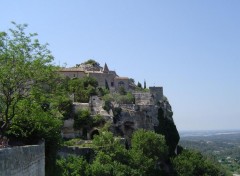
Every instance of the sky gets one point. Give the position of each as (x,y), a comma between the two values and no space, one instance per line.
(190,47)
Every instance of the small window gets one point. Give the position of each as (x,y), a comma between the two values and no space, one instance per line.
(74,75)
(112,84)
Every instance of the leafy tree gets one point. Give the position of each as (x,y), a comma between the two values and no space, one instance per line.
(25,64)
(128,98)
(148,150)
(83,88)
(66,108)
(82,118)
(92,62)
(190,163)
(72,166)
(97,120)
(113,159)
(30,92)
(167,128)
(103,91)
(139,85)
(141,140)
(131,80)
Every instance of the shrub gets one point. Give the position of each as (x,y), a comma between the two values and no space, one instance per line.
(82,118)
(72,166)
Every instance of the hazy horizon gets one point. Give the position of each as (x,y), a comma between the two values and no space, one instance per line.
(191,48)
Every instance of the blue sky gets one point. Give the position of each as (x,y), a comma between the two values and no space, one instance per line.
(190,47)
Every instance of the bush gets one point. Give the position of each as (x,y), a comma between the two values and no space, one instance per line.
(118,98)
(72,166)
(82,118)
(97,120)
(71,142)
(83,88)
(190,163)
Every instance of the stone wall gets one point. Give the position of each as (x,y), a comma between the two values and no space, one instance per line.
(79,106)
(68,131)
(143,98)
(121,82)
(103,77)
(157,93)
(66,151)
(23,160)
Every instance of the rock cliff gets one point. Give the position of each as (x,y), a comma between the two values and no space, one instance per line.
(150,111)
(155,117)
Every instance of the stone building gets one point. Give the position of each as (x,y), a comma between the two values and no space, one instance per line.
(103,75)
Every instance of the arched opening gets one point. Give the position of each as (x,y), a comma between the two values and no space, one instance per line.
(94,132)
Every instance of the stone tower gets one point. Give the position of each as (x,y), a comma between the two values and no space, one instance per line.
(157,93)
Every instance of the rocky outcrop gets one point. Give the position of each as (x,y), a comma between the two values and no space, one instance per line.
(156,117)
(151,111)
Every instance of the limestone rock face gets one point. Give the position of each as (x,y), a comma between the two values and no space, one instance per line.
(151,111)
(155,117)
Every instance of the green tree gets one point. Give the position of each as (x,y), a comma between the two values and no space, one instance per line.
(112,158)
(82,118)
(139,85)
(30,92)
(190,163)
(72,166)
(92,62)
(25,64)
(167,128)
(148,150)
(142,139)
(83,88)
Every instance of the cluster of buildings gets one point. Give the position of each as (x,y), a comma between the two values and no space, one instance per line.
(103,75)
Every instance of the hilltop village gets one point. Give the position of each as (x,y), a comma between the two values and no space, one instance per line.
(103,75)
(124,118)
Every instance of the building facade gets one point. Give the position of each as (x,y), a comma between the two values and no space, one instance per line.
(104,76)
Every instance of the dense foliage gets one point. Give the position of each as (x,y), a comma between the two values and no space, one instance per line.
(126,98)
(72,166)
(148,155)
(92,62)
(190,163)
(83,118)
(31,93)
(167,128)
(112,158)
(83,88)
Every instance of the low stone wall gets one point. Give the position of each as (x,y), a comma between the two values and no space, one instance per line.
(77,106)
(87,153)
(23,161)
